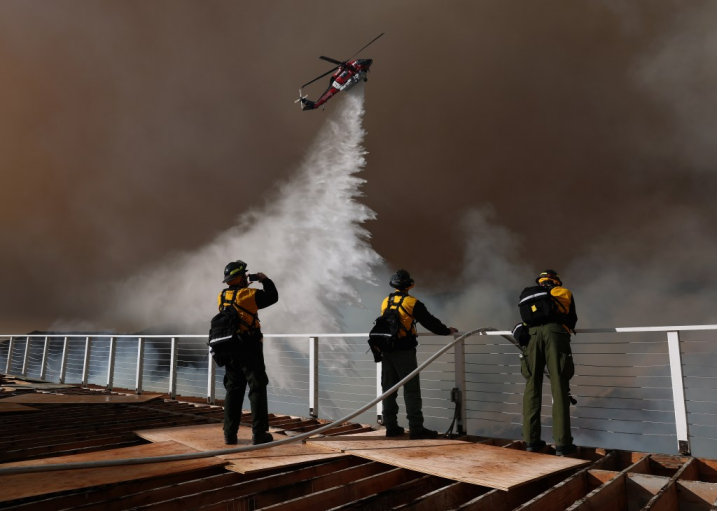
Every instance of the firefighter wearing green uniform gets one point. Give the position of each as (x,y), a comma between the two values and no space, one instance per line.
(400,361)
(550,349)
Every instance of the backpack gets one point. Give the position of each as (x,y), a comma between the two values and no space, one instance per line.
(224,335)
(537,306)
(385,332)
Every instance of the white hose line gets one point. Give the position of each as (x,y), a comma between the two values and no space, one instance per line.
(220,452)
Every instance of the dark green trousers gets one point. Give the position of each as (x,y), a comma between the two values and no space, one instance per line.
(550,349)
(246,369)
(396,365)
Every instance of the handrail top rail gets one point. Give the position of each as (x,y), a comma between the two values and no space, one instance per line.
(361,334)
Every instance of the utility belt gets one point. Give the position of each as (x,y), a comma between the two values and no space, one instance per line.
(550,322)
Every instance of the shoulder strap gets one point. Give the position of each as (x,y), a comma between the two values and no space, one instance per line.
(237,307)
(398,306)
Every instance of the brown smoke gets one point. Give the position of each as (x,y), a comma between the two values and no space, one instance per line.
(133,130)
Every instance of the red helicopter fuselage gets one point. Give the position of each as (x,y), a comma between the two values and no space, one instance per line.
(344,78)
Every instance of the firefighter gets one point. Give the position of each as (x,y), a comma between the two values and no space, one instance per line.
(246,365)
(550,313)
(400,361)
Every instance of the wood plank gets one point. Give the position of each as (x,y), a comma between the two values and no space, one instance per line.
(16,486)
(210,437)
(15,407)
(480,464)
(39,398)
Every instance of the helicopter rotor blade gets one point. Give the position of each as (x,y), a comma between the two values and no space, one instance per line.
(320,76)
(367,44)
(333,61)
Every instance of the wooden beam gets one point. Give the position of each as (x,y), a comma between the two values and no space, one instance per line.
(446,497)
(611,495)
(340,495)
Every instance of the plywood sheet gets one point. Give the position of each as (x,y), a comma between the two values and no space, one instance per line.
(16,486)
(39,398)
(15,407)
(209,437)
(485,465)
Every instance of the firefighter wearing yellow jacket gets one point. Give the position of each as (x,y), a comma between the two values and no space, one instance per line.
(246,366)
(400,361)
(550,313)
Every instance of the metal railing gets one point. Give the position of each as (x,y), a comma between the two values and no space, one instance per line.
(640,388)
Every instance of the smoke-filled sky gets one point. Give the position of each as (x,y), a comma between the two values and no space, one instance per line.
(502,138)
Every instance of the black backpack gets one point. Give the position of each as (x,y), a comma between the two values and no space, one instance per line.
(385,332)
(224,335)
(537,306)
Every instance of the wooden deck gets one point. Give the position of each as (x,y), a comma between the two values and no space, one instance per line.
(355,471)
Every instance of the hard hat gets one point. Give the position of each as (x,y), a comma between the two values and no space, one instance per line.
(234,269)
(401,280)
(549,275)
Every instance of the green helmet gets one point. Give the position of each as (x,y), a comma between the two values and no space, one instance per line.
(234,269)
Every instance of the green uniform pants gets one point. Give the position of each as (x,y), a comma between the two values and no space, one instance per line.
(246,368)
(549,348)
(395,365)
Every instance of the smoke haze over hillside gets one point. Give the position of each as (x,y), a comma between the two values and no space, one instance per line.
(500,139)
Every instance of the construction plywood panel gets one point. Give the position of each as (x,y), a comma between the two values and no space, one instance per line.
(210,437)
(15,407)
(16,486)
(485,465)
(37,398)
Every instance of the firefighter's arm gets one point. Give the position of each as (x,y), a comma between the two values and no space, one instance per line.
(268,295)
(430,322)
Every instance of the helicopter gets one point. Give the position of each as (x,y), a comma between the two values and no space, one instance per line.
(345,75)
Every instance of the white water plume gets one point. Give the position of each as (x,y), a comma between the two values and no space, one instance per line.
(309,241)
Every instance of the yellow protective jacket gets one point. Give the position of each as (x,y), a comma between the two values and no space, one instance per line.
(411,312)
(405,305)
(565,305)
(245,303)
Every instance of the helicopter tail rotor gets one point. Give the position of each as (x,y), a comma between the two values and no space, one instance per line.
(305,103)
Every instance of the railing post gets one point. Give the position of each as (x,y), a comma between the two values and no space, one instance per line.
(460,385)
(63,361)
(86,362)
(314,377)
(379,392)
(140,364)
(211,371)
(111,364)
(44,358)
(9,355)
(679,401)
(172,391)
(24,356)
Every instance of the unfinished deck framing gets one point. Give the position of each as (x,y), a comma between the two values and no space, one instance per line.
(47,430)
